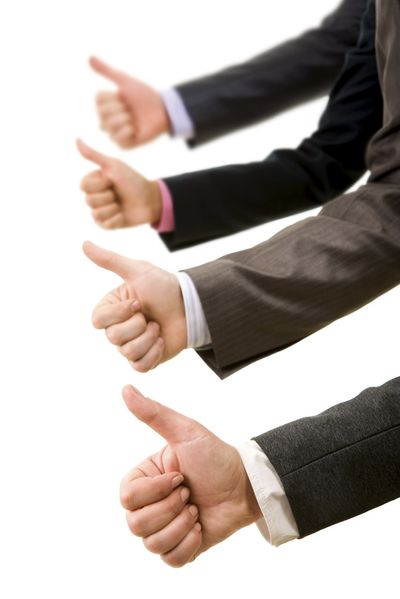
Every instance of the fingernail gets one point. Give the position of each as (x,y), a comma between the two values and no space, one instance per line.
(176,481)
(185,494)
(197,526)
(135,305)
(193,510)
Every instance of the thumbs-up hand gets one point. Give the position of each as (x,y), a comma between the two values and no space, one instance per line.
(133,114)
(118,195)
(159,300)
(216,499)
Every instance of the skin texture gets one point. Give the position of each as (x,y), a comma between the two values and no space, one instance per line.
(192,494)
(134,113)
(148,295)
(118,195)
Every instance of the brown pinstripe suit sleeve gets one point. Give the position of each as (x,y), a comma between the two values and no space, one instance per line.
(263,299)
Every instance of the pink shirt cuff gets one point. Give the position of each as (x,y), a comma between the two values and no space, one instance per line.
(166,224)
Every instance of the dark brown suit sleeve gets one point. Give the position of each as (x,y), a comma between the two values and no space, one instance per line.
(261,300)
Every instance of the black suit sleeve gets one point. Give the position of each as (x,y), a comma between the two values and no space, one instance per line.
(299,70)
(221,201)
(342,462)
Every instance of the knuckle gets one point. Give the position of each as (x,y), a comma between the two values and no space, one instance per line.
(152,544)
(97,217)
(97,321)
(125,498)
(124,145)
(140,367)
(136,525)
(113,335)
(127,352)
(135,354)
(173,561)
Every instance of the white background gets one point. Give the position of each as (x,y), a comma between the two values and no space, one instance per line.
(66,437)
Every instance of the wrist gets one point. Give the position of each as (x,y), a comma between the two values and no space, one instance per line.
(155,203)
(250,508)
(165,121)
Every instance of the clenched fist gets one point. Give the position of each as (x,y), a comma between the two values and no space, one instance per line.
(156,295)
(189,496)
(118,195)
(133,114)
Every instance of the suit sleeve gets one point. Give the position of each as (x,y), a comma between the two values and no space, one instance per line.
(261,300)
(299,70)
(342,462)
(221,201)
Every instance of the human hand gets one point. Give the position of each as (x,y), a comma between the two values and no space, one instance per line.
(177,524)
(159,295)
(118,195)
(133,114)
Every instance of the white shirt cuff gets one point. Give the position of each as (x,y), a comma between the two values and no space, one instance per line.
(198,334)
(182,124)
(278,524)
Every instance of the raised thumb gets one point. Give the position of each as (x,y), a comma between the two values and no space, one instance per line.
(106,70)
(171,425)
(120,265)
(92,155)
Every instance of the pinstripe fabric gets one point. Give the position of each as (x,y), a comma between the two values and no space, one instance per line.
(261,300)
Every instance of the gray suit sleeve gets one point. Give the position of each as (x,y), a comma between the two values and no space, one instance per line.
(261,300)
(342,462)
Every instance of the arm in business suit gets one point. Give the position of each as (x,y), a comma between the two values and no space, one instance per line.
(293,72)
(333,466)
(296,71)
(261,300)
(220,201)
(342,462)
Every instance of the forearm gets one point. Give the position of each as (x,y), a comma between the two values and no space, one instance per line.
(261,300)
(293,72)
(221,201)
(342,462)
